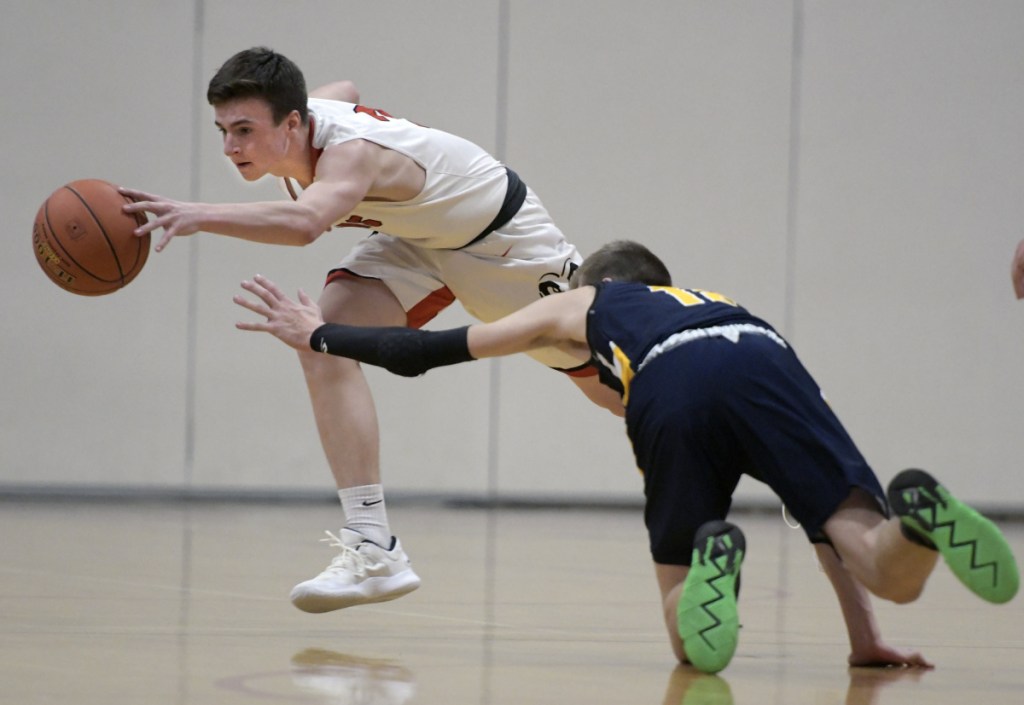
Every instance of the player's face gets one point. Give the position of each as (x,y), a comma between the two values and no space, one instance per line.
(253,143)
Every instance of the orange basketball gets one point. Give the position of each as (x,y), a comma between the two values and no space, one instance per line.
(84,241)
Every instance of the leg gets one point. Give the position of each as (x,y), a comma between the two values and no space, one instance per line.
(699,601)
(880,554)
(875,551)
(342,403)
(809,460)
(371,565)
(690,471)
(670,581)
(972,546)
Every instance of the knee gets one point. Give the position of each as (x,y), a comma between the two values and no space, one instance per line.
(902,593)
(904,597)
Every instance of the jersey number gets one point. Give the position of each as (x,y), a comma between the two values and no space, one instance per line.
(374,113)
(693,297)
(356,221)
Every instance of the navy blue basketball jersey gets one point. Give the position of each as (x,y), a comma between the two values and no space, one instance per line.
(628,321)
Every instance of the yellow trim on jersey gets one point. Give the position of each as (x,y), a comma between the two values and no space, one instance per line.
(625,369)
(693,297)
(685,297)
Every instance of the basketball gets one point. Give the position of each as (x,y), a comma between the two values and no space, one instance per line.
(84,241)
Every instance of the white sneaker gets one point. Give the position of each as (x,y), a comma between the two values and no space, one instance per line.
(361,573)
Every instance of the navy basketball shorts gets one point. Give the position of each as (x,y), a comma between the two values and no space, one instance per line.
(705,413)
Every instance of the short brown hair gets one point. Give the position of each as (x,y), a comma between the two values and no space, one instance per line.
(623,260)
(261,73)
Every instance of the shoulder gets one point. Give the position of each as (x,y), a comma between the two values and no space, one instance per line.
(572,301)
(580,293)
(345,91)
(333,123)
(565,305)
(330,111)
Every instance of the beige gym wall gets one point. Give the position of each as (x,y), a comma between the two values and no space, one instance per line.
(850,171)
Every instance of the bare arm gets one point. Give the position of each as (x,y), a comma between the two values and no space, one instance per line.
(270,222)
(345,91)
(866,645)
(554,321)
(346,174)
(558,321)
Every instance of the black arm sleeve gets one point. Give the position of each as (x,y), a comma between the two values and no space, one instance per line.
(403,351)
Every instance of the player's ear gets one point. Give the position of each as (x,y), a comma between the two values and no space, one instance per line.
(293,120)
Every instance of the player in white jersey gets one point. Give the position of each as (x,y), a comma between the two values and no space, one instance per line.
(459,225)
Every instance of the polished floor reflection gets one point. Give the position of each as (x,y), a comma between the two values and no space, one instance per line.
(187,604)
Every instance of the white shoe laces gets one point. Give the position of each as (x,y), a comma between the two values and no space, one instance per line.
(349,560)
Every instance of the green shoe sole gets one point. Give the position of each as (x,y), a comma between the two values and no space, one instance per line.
(706,614)
(972,546)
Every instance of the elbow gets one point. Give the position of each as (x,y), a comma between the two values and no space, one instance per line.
(348,91)
(309,235)
(338,90)
(309,227)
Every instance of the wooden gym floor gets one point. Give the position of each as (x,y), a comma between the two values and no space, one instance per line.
(186,604)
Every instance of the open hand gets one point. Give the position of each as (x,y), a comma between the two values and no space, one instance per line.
(177,218)
(881,655)
(290,321)
(1017,270)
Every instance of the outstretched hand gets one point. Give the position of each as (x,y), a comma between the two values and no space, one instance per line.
(290,321)
(1017,270)
(177,218)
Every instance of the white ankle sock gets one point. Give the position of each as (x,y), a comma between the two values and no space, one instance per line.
(366,513)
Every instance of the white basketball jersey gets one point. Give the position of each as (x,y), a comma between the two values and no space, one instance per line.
(464,187)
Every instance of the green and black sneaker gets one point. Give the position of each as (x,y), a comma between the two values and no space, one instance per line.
(972,546)
(706,615)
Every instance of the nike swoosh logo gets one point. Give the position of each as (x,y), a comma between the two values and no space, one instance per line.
(370,504)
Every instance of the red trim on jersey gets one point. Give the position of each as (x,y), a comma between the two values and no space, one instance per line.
(336,274)
(587,370)
(425,310)
(420,314)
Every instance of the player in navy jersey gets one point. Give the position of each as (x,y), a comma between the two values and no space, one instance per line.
(711,392)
